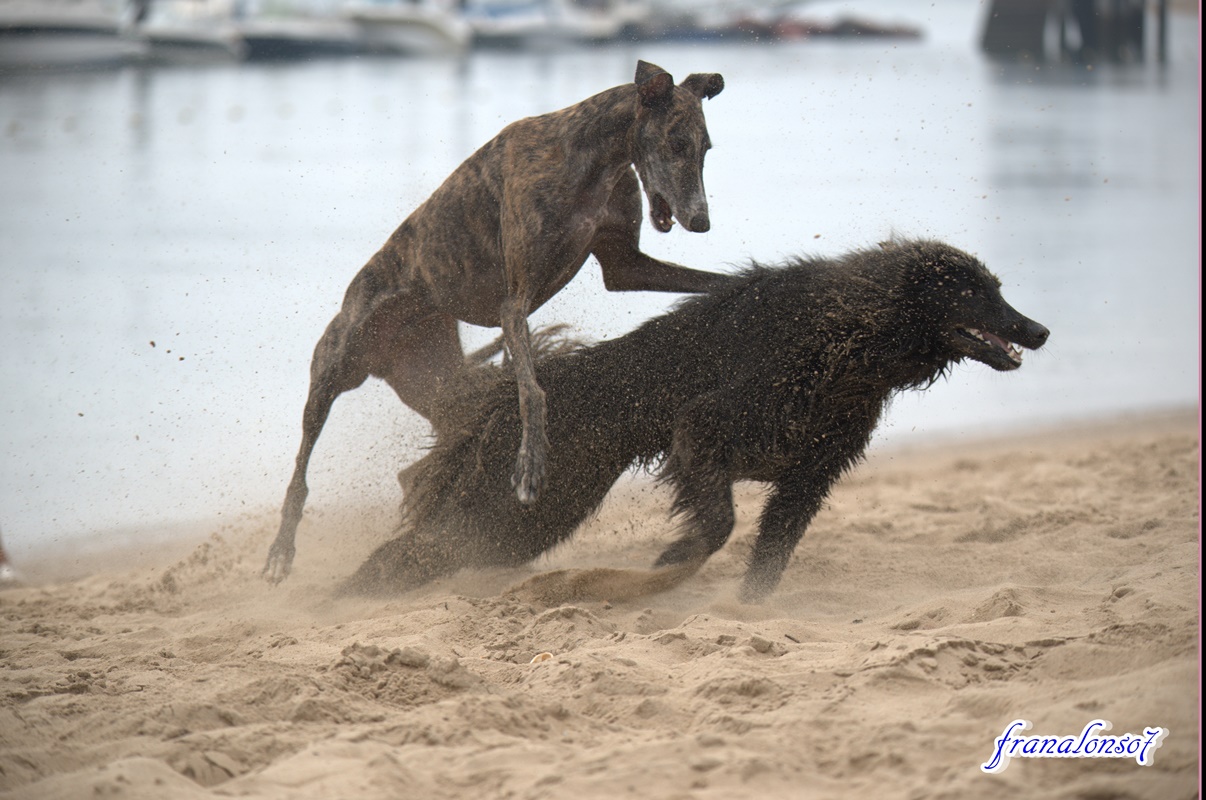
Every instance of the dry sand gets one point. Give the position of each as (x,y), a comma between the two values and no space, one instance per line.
(944,592)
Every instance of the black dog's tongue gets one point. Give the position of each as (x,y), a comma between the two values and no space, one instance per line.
(996,340)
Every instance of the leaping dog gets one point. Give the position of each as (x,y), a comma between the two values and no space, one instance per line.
(504,233)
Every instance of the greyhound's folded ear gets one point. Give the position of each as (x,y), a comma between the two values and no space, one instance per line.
(654,85)
(704,84)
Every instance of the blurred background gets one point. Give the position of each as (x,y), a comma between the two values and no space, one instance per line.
(187,187)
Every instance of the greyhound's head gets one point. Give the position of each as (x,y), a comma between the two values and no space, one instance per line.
(962,308)
(670,141)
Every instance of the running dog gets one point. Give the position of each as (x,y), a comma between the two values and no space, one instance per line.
(780,377)
(504,233)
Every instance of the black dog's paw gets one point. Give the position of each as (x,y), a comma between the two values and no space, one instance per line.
(755,588)
(682,551)
(752,595)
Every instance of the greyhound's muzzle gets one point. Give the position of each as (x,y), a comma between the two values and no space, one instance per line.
(699,224)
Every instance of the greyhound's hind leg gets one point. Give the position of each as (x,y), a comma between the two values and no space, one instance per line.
(419,367)
(333,371)
(418,361)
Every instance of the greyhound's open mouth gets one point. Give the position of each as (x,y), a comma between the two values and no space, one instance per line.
(992,347)
(660,213)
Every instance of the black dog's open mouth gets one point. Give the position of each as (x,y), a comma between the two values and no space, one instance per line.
(660,213)
(992,349)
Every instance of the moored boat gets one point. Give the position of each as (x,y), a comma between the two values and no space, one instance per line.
(410,28)
(77,34)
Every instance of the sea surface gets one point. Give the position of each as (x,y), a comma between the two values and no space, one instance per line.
(174,240)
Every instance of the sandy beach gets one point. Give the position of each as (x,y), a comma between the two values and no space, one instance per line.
(946,590)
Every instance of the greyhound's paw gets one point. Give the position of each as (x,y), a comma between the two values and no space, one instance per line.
(278,565)
(528,480)
(9,577)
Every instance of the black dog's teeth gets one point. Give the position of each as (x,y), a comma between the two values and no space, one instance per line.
(1007,347)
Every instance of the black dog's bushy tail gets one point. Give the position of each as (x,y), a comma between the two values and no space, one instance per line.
(436,535)
(548,341)
(472,406)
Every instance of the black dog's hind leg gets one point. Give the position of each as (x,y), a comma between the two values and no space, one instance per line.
(703,486)
(707,506)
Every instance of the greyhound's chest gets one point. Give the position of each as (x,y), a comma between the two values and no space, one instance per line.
(568,243)
(587,210)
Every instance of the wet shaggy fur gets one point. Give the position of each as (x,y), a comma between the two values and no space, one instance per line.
(780,377)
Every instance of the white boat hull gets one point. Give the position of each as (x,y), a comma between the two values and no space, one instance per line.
(411,30)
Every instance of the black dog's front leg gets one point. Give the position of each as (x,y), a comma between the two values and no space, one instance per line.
(793,503)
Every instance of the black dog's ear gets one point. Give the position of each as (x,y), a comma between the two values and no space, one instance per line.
(704,84)
(654,84)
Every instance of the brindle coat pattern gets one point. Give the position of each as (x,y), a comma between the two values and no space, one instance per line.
(779,377)
(504,233)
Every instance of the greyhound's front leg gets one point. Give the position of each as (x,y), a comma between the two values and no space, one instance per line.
(626,269)
(530,463)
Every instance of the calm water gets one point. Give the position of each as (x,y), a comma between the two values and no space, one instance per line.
(173,241)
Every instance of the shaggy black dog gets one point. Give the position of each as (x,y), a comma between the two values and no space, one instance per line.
(780,377)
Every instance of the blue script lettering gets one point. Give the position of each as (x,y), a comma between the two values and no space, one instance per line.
(1014,743)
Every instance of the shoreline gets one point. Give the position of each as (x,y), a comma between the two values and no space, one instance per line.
(152,544)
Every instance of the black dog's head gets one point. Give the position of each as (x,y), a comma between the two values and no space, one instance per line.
(958,302)
(670,141)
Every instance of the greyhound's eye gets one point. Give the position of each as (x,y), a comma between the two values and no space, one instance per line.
(678,146)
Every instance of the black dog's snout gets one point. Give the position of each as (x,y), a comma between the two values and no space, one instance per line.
(1035,335)
(700,224)
(1040,335)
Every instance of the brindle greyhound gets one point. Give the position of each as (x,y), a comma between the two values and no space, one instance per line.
(504,233)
